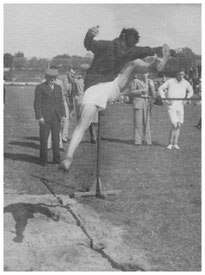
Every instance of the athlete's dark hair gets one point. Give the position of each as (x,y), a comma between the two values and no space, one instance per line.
(126,33)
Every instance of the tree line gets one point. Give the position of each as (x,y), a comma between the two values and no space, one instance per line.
(186,59)
(19,62)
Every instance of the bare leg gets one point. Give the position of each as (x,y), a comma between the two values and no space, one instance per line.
(177,132)
(172,135)
(87,114)
(140,66)
(127,75)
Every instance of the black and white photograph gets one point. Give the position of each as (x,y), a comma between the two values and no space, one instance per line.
(102,136)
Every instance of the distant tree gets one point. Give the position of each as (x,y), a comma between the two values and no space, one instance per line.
(76,61)
(8,60)
(42,63)
(20,63)
(186,59)
(61,61)
(33,63)
(38,64)
(19,54)
(62,56)
(64,61)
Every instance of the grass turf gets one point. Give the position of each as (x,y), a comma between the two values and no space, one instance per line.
(159,206)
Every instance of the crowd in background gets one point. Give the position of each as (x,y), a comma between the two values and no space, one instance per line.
(72,87)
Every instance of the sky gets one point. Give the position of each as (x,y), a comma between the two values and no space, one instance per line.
(46,30)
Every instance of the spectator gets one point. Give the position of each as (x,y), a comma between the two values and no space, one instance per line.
(49,111)
(176,88)
(158,101)
(68,101)
(143,87)
(77,95)
(62,81)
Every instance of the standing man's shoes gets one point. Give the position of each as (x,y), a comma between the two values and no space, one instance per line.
(169,146)
(136,143)
(176,147)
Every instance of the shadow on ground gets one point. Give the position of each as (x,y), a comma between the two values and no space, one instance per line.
(129,141)
(32,138)
(21,157)
(21,212)
(25,144)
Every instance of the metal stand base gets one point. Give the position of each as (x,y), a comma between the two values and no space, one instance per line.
(97,190)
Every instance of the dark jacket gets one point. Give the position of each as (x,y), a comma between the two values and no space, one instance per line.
(48,101)
(110,57)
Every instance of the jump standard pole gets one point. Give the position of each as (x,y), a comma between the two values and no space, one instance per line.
(98,189)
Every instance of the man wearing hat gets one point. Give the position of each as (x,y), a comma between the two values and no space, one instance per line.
(49,111)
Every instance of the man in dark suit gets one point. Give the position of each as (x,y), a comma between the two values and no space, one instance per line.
(49,111)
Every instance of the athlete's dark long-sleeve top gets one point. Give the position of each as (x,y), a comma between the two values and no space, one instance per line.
(110,57)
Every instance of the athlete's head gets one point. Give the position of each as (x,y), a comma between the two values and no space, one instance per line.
(130,35)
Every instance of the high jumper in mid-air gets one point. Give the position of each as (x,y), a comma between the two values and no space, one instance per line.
(113,68)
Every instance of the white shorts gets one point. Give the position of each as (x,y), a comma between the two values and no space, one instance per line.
(176,114)
(102,93)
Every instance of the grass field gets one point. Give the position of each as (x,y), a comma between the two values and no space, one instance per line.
(159,206)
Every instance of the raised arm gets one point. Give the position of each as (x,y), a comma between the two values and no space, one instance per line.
(91,44)
(142,52)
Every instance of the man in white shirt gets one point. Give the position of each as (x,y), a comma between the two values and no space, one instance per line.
(176,88)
